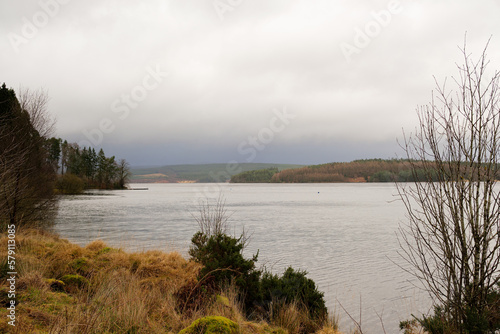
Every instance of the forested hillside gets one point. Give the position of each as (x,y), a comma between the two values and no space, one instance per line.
(255,176)
(372,170)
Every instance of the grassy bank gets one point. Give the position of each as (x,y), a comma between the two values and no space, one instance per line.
(65,288)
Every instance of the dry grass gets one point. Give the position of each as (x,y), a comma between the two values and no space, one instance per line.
(295,318)
(120,292)
(126,292)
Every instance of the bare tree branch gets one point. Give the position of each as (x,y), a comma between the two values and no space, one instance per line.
(451,238)
(26,176)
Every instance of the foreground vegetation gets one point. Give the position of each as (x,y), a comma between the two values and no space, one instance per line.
(451,239)
(27,170)
(65,288)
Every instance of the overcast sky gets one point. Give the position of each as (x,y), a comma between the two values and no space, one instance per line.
(202,81)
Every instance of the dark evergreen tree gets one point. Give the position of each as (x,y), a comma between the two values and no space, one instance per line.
(94,169)
(26,174)
(53,147)
(64,156)
(74,164)
(223,263)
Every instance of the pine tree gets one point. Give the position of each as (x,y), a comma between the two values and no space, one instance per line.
(26,174)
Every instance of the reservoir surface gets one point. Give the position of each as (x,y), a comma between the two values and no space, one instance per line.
(343,235)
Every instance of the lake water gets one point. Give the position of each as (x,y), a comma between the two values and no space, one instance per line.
(344,235)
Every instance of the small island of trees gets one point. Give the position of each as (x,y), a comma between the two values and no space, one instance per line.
(84,168)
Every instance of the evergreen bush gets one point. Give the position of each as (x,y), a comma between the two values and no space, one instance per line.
(223,263)
(293,286)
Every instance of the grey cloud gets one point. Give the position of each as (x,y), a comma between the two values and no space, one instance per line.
(226,76)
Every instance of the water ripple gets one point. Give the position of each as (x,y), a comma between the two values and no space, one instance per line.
(344,236)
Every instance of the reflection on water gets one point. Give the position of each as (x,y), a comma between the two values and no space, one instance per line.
(344,235)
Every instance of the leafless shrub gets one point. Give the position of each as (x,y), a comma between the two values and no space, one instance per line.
(452,238)
(213,219)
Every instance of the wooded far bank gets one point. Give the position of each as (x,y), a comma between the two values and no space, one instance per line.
(357,171)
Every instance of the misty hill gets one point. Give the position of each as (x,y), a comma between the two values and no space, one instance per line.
(198,173)
(372,170)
